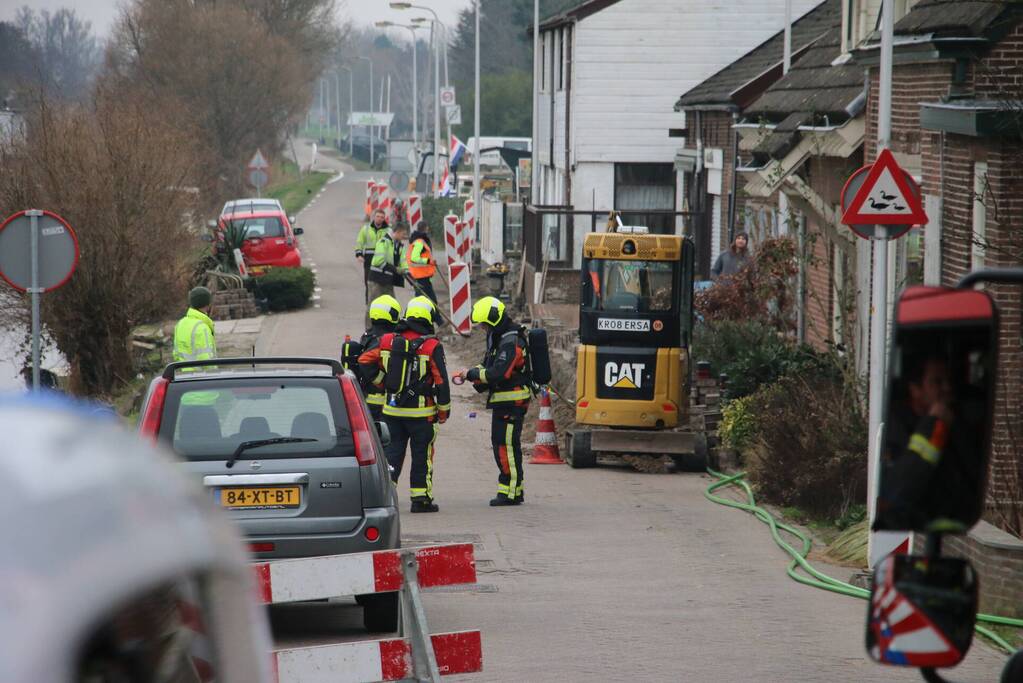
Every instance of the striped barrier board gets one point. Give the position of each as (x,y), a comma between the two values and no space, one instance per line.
(376,660)
(462,232)
(374,197)
(469,216)
(451,241)
(415,210)
(461,300)
(317,578)
(370,189)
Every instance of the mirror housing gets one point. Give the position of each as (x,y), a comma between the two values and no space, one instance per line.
(299,231)
(384,432)
(939,411)
(293,220)
(922,611)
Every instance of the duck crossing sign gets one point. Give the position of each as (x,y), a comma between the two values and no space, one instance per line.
(882,194)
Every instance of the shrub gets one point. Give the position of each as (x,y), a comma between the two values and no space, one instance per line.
(286,288)
(434,210)
(738,424)
(751,354)
(810,445)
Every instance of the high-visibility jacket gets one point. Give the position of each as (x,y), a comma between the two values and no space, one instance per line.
(430,392)
(194,337)
(504,372)
(419,260)
(194,340)
(366,241)
(387,257)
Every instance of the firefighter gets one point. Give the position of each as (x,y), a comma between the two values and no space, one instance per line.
(505,374)
(384,314)
(366,242)
(418,396)
(419,260)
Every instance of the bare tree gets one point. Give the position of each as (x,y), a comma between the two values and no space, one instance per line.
(66,50)
(117,172)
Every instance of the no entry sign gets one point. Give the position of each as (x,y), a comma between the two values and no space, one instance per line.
(57,251)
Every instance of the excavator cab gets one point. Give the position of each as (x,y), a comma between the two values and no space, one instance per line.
(635,328)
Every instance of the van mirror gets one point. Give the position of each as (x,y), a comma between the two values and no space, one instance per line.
(939,410)
(299,231)
(922,611)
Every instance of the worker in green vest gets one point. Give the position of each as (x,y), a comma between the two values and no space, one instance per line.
(365,244)
(193,335)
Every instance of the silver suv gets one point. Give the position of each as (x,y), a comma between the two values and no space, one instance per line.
(288,448)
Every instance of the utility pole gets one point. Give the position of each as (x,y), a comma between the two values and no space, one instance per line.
(476,128)
(880,544)
(533,183)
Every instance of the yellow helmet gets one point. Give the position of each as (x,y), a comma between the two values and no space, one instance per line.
(385,307)
(420,307)
(489,310)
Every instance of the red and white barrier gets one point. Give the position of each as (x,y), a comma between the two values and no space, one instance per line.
(415,211)
(376,660)
(545,447)
(374,197)
(316,578)
(451,238)
(461,300)
(462,232)
(469,216)
(370,189)
(200,649)
(387,204)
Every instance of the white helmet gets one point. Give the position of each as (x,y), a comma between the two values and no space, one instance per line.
(108,549)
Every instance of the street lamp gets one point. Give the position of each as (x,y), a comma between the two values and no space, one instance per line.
(415,84)
(436,80)
(372,132)
(351,109)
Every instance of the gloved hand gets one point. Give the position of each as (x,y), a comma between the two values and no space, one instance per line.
(442,416)
(389,269)
(473,374)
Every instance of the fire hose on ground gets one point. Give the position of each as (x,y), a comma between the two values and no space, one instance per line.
(816,578)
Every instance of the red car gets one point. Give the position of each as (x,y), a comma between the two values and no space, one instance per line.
(270,239)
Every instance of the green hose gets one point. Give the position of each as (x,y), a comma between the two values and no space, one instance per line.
(818,579)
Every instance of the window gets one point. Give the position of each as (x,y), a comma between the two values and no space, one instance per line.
(211,421)
(629,286)
(543,62)
(556,58)
(644,187)
(562,61)
(979,214)
(270,226)
(157,636)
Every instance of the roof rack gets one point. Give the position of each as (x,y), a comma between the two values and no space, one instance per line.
(334,365)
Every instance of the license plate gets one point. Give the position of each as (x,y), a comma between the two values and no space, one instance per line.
(622,325)
(252,498)
(257,269)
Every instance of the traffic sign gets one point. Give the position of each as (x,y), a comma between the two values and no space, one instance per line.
(258,178)
(447,96)
(454,115)
(849,192)
(399,181)
(258,161)
(57,250)
(370,118)
(887,196)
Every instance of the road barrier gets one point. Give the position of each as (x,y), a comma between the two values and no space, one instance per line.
(416,654)
(469,216)
(415,211)
(461,299)
(374,197)
(370,190)
(451,241)
(464,241)
(545,447)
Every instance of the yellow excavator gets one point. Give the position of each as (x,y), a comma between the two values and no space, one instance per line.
(633,367)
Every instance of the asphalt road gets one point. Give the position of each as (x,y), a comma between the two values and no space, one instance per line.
(603,574)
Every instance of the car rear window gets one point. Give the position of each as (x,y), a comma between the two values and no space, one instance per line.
(267,226)
(207,420)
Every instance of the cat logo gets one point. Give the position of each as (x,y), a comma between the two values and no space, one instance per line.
(624,376)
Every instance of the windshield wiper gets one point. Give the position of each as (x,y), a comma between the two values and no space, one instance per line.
(246,445)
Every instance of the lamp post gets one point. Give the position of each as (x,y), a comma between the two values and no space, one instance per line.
(351,108)
(477,209)
(337,106)
(436,80)
(372,144)
(415,83)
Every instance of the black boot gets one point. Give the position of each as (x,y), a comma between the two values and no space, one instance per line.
(521,498)
(424,505)
(502,500)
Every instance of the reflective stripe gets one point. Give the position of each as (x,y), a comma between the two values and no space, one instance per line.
(501,488)
(375,399)
(509,444)
(483,376)
(922,447)
(445,407)
(395,411)
(429,463)
(511,395)
(381,307)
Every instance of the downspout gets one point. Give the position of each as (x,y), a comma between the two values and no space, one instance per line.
(569,220)
(735,175)
(698,189)
(801,280)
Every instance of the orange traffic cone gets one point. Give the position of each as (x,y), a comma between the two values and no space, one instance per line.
(545,448)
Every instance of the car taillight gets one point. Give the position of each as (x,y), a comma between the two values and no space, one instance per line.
(584,404)
(150,425)
(261,547)
(668,407)
(359,421)
(372,533)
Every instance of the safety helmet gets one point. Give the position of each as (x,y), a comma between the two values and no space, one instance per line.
(386,308)
(489,310)
(420,307)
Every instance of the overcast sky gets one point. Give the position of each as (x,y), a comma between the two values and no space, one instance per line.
(365,12)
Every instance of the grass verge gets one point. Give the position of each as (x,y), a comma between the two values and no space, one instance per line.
(295,191)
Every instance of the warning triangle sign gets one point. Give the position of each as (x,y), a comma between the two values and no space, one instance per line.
(888,196)
(624,383)
(258,161)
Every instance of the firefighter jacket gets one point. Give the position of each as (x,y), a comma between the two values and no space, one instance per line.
(369,235)
(419,259)
(504,372)
(387,265)
(371,377)
(426,393)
